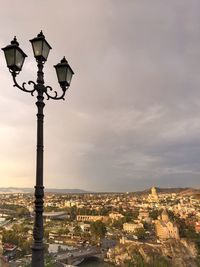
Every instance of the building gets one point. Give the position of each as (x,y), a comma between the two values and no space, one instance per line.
(144,216)
(69,204)
(153,197)
(115,216)
(131,227)
(85,227)
(90,218)
(9,250)
(166,229)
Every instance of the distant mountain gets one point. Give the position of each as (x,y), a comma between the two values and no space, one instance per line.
(181,191)
(190,191)
(66,191)
(47,190)
(15,190)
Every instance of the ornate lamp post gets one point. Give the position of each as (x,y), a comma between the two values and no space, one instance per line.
(15,58)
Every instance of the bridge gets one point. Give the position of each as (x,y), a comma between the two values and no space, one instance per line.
(4,212)
(76,256)
(56,215)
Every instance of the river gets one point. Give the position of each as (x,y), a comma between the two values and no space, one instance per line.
(95,264)
(53,248)
(88,264)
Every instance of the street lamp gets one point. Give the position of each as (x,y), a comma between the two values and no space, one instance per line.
(15,58)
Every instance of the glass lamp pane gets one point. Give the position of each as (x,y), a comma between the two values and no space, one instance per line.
(45,50)
(61,73)
(69,75)
(37,48)
(19,59)
(10,56)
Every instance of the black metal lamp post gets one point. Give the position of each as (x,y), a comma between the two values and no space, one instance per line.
(15,58)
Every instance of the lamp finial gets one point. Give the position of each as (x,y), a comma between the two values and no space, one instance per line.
(14,41)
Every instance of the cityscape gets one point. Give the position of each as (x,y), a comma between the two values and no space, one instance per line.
(155,227)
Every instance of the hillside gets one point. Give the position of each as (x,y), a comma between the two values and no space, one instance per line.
(178,190)
(169,253)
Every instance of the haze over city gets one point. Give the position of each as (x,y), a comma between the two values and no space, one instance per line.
(131,118)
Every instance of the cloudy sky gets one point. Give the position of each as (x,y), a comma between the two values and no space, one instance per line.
(131,118)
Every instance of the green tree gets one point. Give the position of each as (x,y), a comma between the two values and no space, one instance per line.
(140,233)
(46,233)
(171,215)
(135,214)
(77,230)
(118,224)
(154,214)
(136,261)
(22,211)
(104,211)
(65,231)
(159,261)
(98,229)
(73,212)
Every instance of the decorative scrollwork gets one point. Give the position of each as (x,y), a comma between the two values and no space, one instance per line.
(55,97)
(23,88)
(36,87)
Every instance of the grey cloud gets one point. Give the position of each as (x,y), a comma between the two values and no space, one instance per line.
(131,116)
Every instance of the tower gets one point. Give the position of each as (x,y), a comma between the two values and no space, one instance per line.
(153,191)
(153,197)
(165,216)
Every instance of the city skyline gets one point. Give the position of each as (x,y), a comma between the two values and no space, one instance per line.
(131,118)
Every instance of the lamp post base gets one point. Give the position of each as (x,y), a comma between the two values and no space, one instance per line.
(38,230)
(37,256)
